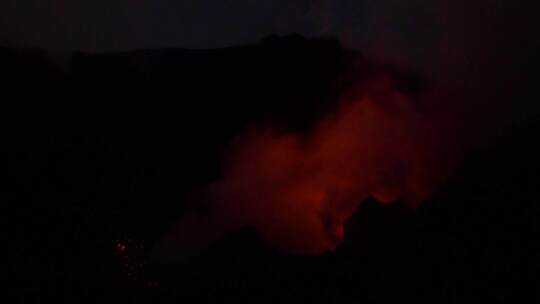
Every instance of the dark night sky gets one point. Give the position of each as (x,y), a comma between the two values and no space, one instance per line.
(128,24)
(412,31)
(452,41)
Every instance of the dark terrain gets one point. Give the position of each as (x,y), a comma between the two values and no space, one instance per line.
(102,153)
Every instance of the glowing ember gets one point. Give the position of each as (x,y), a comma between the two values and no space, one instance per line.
(130,256)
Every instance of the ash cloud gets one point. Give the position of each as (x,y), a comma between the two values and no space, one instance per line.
(300,189)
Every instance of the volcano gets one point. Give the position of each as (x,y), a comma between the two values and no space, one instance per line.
(155,175)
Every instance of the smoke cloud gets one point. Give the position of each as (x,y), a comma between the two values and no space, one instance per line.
(299,190)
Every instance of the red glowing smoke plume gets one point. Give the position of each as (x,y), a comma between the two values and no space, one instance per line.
(298,190)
